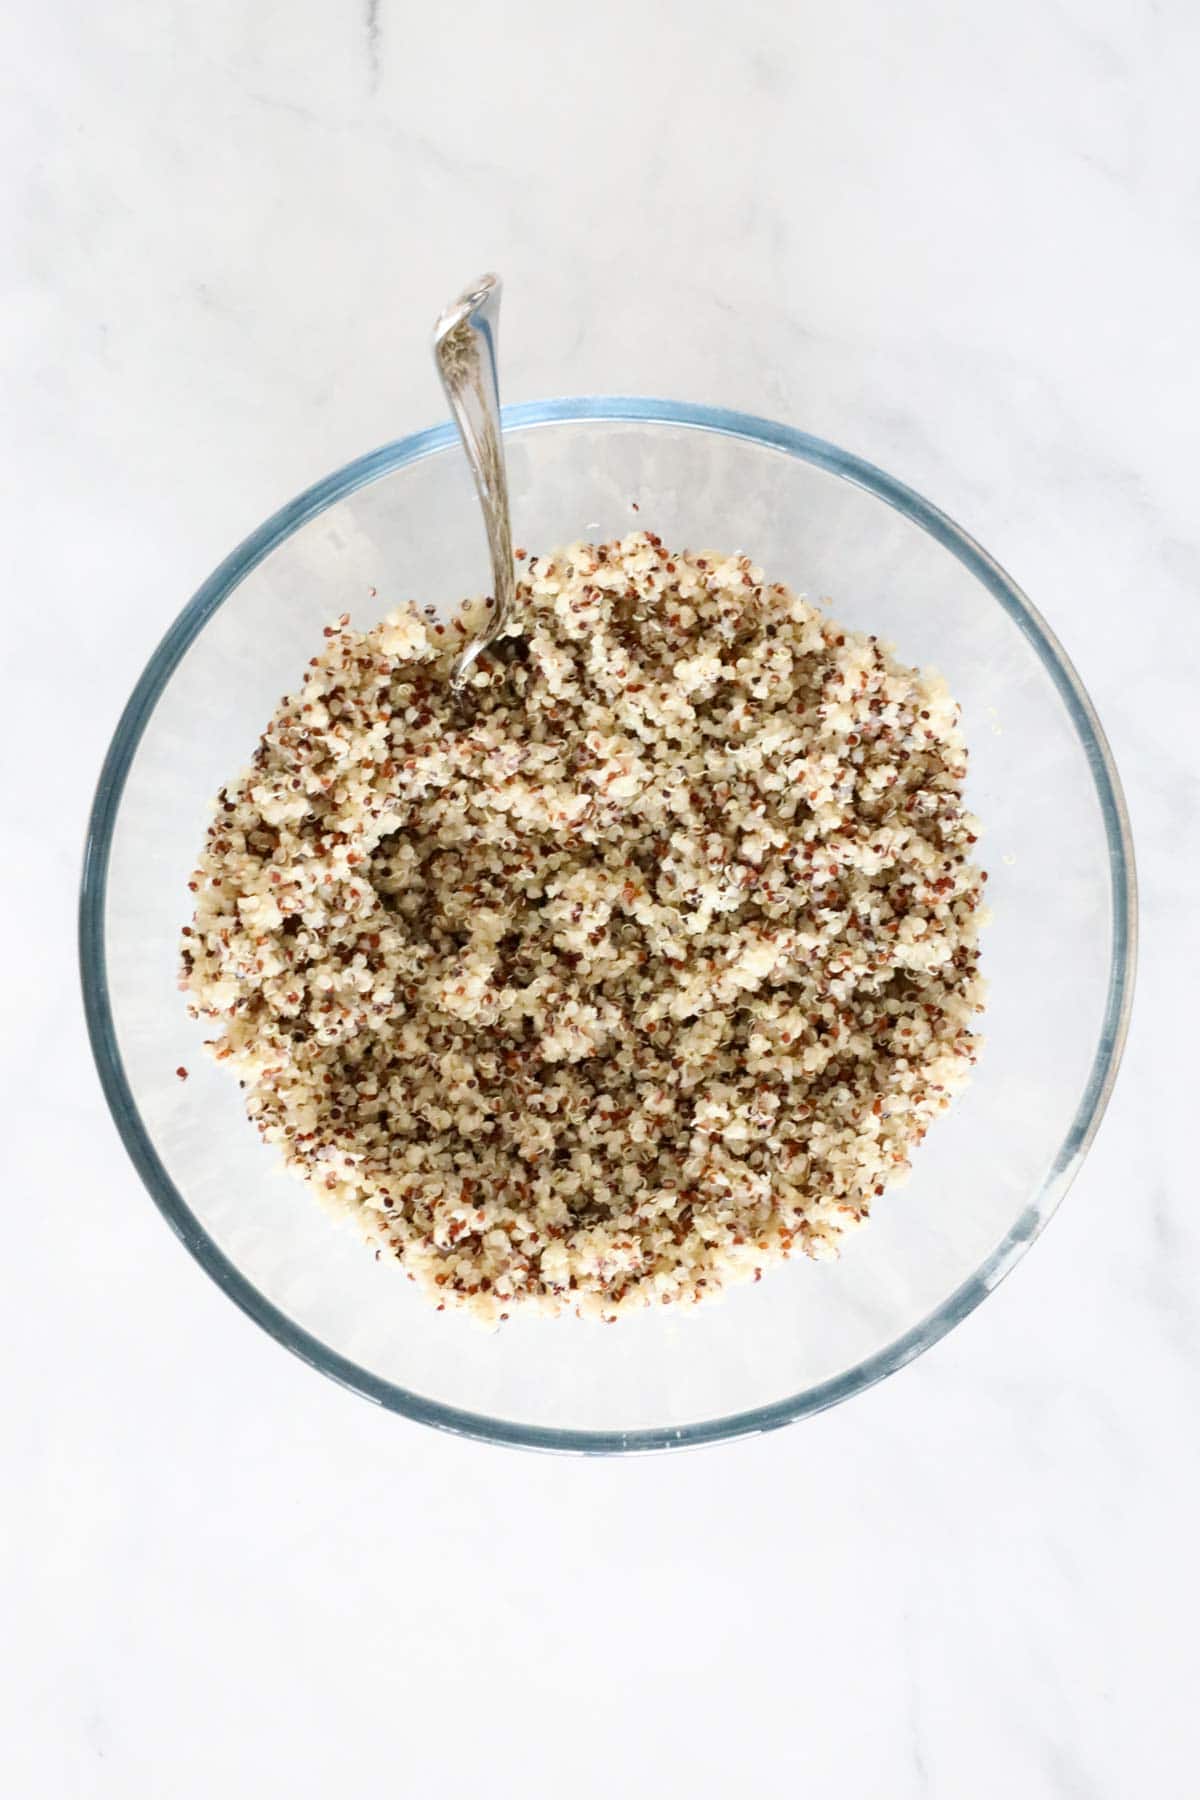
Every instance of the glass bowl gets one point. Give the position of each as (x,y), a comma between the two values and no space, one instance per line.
(1058,954)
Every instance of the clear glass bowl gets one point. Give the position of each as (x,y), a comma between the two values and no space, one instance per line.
(1059,953)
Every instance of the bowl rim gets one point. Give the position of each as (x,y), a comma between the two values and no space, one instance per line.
(93,965)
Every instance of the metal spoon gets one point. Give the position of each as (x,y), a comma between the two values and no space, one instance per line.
(464,348)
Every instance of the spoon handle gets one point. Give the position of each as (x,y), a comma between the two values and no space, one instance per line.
(464,348)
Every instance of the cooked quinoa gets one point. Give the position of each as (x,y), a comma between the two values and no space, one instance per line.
(640,967)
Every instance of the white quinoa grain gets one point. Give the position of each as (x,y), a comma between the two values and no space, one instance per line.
(641,970)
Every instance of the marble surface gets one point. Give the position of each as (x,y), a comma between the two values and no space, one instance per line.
(963,241)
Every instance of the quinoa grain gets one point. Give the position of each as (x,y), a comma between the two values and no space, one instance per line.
(645,968)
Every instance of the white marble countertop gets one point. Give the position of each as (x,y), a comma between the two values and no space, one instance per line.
(962,241)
